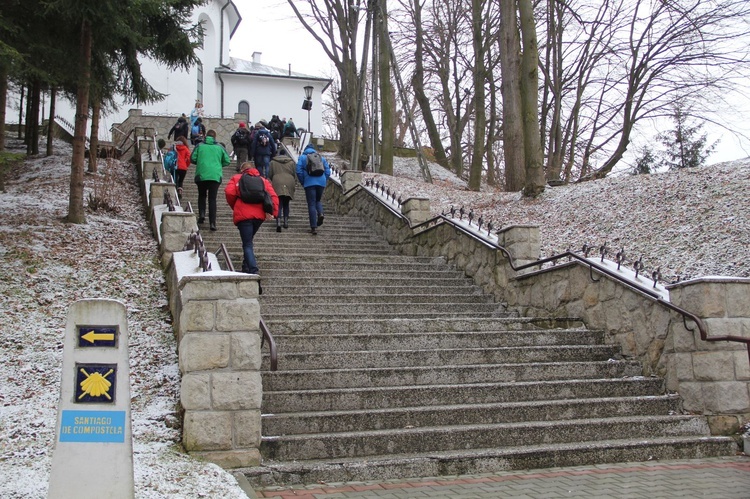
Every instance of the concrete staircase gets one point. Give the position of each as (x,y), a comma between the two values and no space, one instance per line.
(393,366)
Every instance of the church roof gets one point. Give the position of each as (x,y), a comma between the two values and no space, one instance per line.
(241,66)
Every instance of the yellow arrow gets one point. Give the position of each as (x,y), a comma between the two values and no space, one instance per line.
(91,336)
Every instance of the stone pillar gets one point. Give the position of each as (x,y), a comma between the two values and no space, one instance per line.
(417,210)
(522,241)
(219,356)
(713,378)
(350,179)
(148,169)
(156,193)
(174,229)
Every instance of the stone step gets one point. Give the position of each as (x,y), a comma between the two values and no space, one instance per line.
(365,266)
(446,357)
(367,285)
(365,288)
(477,461)
(370,377)
(325,295)
(391,314)
(480,436)
(340,308)
(432,395)
(439,340)
(307,422)
(328,325)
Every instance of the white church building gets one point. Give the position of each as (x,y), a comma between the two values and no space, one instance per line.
(224,85)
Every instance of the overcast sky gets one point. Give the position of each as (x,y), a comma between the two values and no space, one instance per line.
(271,28)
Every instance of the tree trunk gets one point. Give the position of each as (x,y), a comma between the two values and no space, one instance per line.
(510,88)
(418,83)
(387,98)
(20,113)
(535,181)
(32,146)
(480,76)
(94,138)
(3,102)
(51,121)
(76,212)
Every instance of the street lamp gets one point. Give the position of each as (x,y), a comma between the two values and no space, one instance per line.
(307,103)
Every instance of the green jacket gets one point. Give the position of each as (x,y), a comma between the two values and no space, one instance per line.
(209,158)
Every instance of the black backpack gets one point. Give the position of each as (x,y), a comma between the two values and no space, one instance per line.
(239,138)
(253,191)
(315,167)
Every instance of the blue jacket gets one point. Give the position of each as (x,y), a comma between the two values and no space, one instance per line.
(308,180)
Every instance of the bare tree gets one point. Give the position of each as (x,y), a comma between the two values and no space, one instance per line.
(335,25)
(612,65)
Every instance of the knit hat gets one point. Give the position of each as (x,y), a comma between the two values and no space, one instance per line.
(242,124)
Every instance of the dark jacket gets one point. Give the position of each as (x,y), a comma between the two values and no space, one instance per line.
(257,150)
(180,129)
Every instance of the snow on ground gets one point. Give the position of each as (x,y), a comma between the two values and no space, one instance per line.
(690,223)
(47,265)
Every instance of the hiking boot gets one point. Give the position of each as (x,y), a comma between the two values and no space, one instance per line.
(320,220)
(286,222)
(313,231)
(278,225)
(213,227)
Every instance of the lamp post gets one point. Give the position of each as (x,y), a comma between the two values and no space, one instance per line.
(307,103)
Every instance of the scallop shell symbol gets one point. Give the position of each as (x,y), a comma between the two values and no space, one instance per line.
(96,385)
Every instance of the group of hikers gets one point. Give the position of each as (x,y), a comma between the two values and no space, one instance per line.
(259,154)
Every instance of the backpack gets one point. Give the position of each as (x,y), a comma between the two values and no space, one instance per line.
(239,138)
(315,167)
(170,160)
(196,130)
(253,191)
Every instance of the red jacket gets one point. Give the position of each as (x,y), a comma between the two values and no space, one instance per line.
(243,211)
(183,156)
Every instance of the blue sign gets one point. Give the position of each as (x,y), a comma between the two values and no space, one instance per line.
(92,426)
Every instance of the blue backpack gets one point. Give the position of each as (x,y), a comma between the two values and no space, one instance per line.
(170,160)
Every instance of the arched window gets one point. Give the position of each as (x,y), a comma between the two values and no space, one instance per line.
(244,108)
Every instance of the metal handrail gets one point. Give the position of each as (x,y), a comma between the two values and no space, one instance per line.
(271,344)
(267,336)
(686,315)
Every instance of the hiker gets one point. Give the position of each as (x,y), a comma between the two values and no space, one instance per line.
(180,127)
(241,143)
(314,187)
(289,129)
(183,161)
(249,217)
(209,159)
(262,148)
(282,174)
(197,132)
(276,127)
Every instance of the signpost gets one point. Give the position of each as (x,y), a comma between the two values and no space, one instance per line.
(93,455)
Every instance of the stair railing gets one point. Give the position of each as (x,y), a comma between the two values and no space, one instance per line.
(388,197)
(271,344)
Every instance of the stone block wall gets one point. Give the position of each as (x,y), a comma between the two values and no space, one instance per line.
(219,357)
(713,378)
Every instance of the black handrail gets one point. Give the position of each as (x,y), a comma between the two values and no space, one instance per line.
(686,315)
